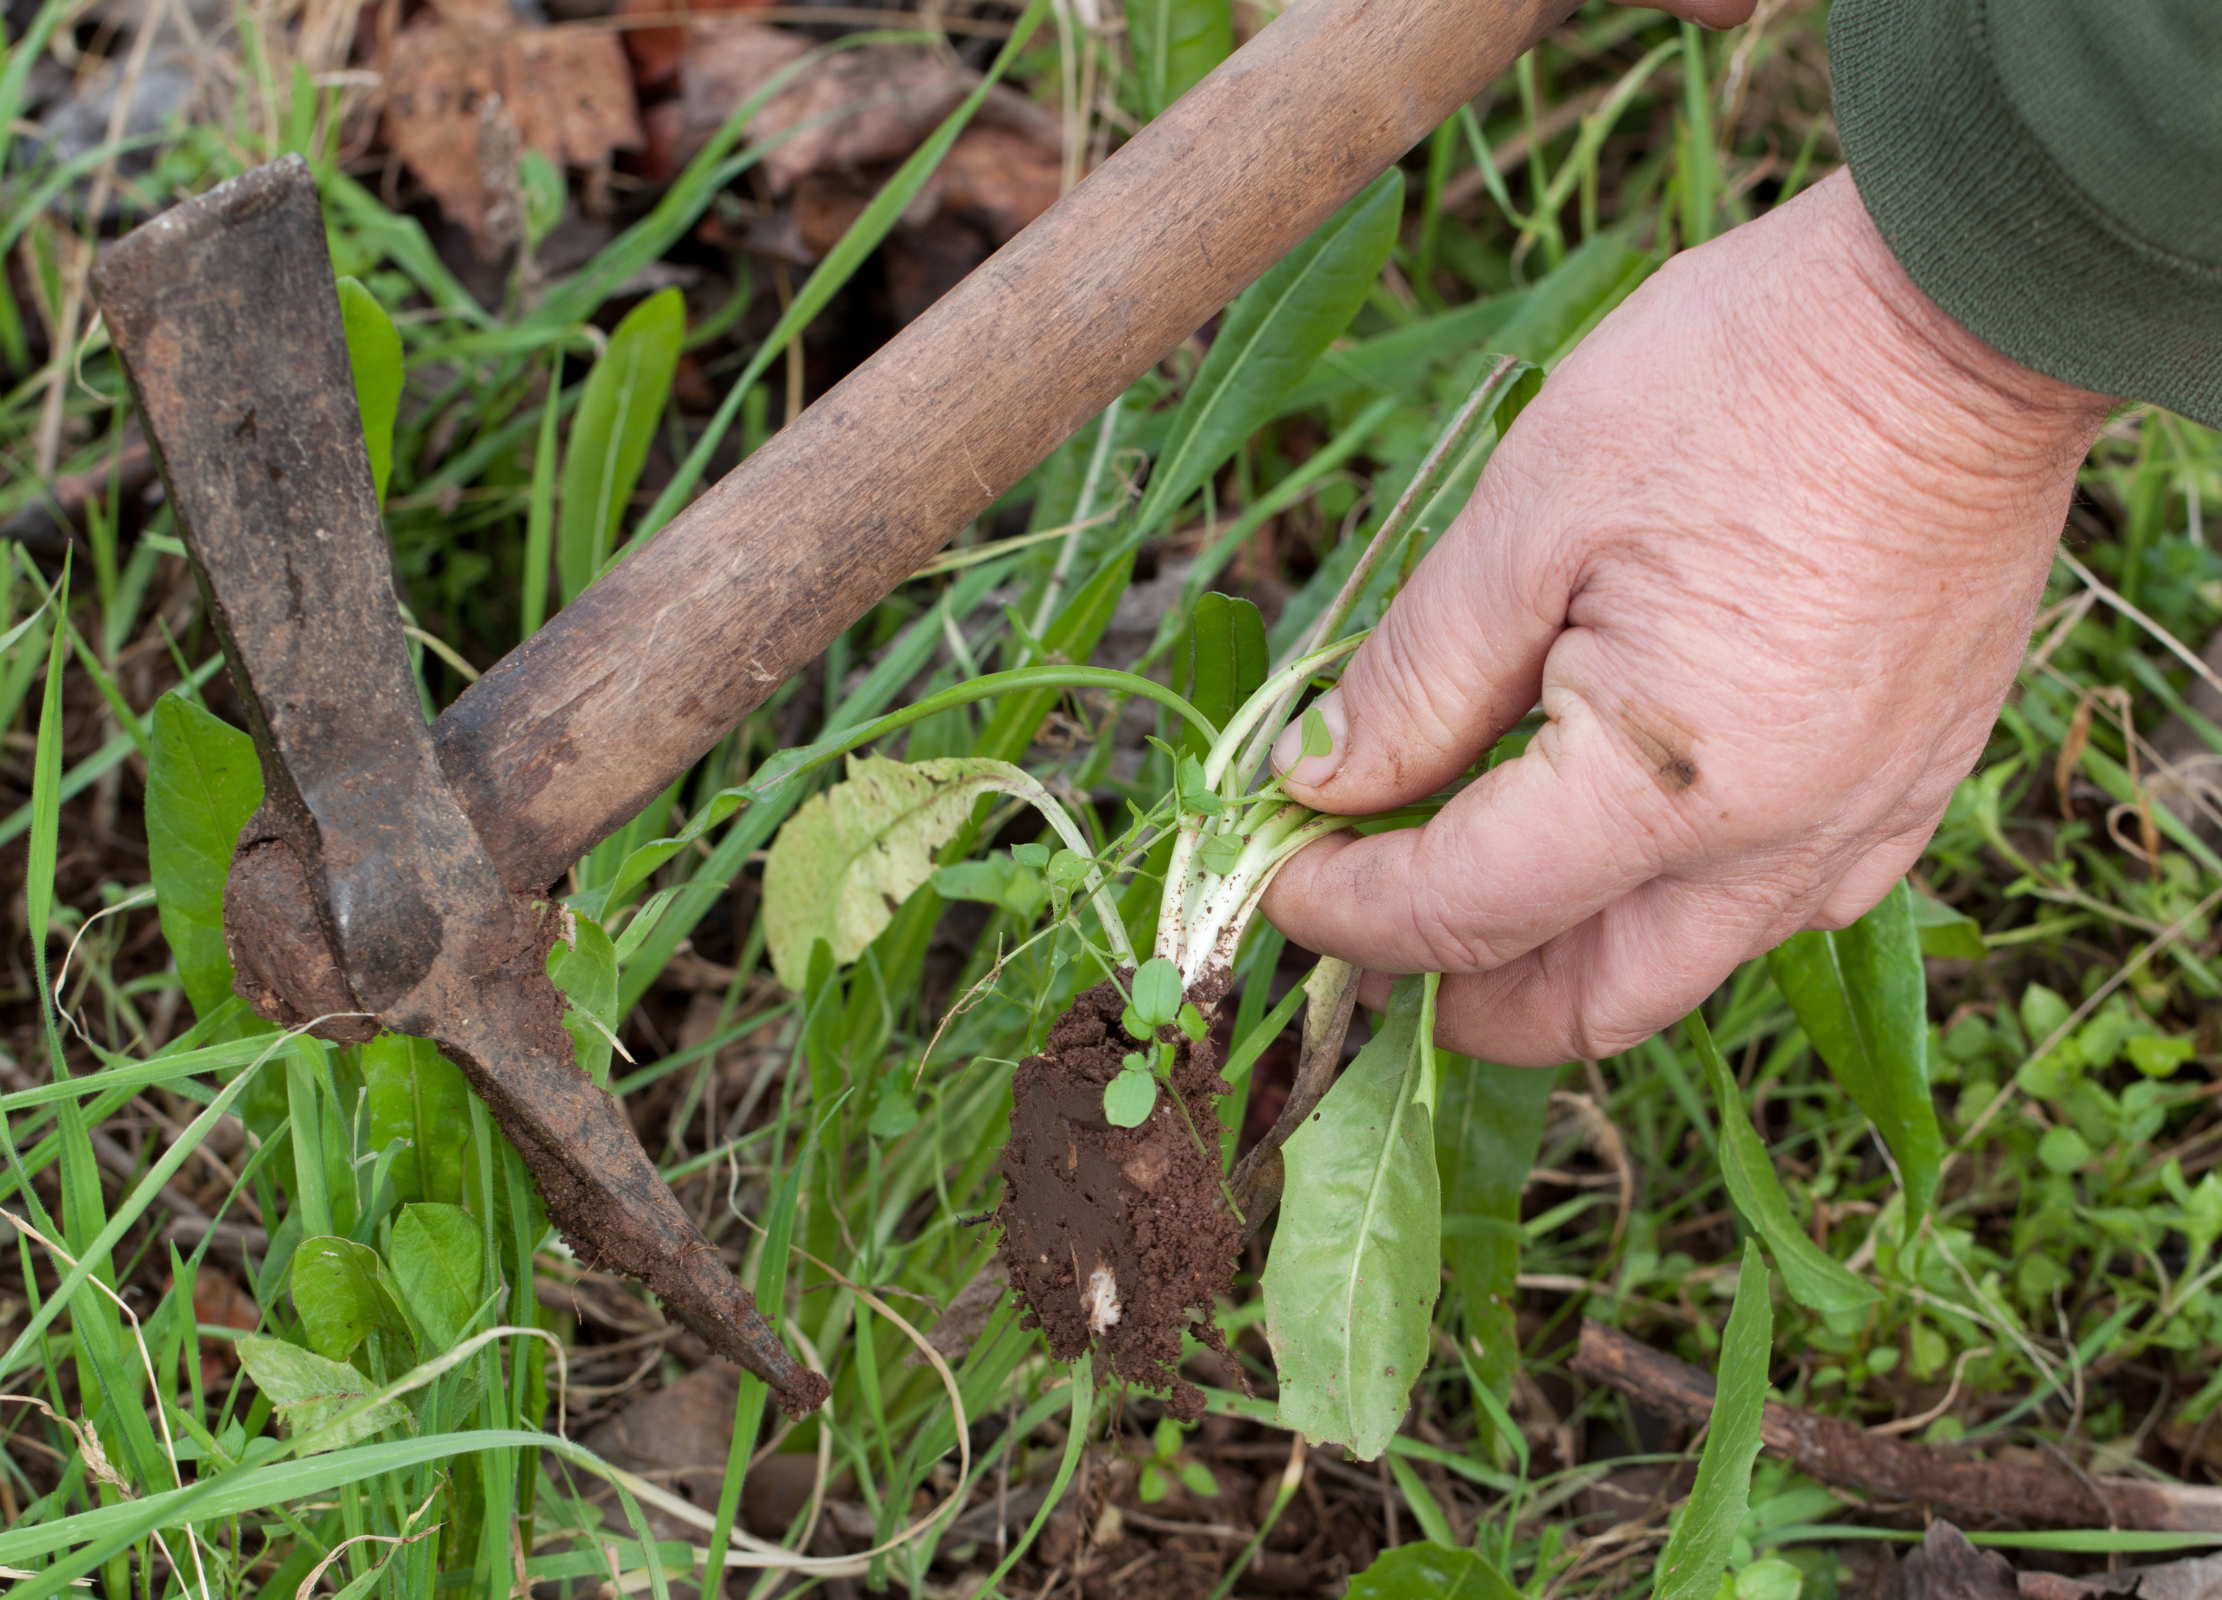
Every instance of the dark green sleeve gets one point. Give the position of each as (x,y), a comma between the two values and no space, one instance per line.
(2050,173)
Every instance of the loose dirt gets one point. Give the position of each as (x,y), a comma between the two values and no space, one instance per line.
(1116,1237)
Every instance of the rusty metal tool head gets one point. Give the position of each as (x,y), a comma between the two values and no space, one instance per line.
(361,894)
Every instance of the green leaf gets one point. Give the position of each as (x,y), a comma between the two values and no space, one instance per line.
(1031,855)
(1220,852)
(1197,1478)
(2157,1056)
(1317,740)
(308,1391)
(1489,1120)
(1129,1098)
(203,783)
(374,352)
(2064,1150)
(1429,1571)
(617,416)
(1945,932)
(436,1256)
(1176,42)
(1815,1278)
(1402,360)
(1068,869)
(544,193)
(585,969)
(1572,299)
(412,1092)
(997,881)
(1770,1579)
(849,858)
(340,1289)
(1271,336)
(1697,1551)
(894,1116)
(1351,1284)
(1225,661)
(1157,991)
(1427,1511)
(1862,997)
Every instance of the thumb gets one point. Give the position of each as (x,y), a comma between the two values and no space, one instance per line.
(1457,661)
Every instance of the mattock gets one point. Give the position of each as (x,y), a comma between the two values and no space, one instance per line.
(400,873)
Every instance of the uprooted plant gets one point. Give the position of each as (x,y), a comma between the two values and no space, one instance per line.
(1120,1225)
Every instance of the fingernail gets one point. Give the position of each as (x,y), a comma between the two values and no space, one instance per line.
(1289,759)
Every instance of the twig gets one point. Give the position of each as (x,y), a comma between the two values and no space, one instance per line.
(1838,1452)
(1257,1181)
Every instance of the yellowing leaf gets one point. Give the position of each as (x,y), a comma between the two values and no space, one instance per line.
(848,859)
(309,1392)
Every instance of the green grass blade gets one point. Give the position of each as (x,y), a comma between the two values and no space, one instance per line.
(1815,1278)
(1176,43)
(1861,994)
(1697,1550)
(374,356)
(540,517)
(1489,1121)
(611,432)
(1275,332)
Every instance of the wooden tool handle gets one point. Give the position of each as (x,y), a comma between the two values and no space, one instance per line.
(578,729)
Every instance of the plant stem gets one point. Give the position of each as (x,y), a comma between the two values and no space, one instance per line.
(1450,445)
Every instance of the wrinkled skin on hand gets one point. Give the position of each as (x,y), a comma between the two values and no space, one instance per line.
(1766,550)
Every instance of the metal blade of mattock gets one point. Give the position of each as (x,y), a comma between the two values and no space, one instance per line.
(360,886)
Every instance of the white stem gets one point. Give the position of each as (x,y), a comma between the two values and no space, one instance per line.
(1215,932)
(1252,714)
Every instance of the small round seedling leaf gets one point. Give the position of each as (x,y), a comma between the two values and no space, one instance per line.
(1199,1480)
(1317,740)
(893,1117)
(1129,1098)
(1135,1027)
(1220,853)
(1191,1022)
(1157,991)
(1031,855)
(1067,869)
(1152,1487)
(1136,1062)
(2063,1150)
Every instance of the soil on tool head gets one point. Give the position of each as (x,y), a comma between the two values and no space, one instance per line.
(1118,1237)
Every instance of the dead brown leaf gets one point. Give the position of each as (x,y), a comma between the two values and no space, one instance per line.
(567,95)
(878,104)
(657,52)
(854,109)
(1003,176)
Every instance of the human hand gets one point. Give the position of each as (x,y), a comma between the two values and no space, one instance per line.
(1766,549)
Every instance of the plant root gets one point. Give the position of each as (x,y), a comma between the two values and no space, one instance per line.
(1114,1236)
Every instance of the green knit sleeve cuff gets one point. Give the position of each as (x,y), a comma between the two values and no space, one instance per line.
(1982,217)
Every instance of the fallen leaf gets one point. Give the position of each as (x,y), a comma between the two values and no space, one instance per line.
(877,102)
(469,90)
(657,53)
(1000,175)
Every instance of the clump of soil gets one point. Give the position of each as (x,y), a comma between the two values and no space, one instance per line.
(1114,1236)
